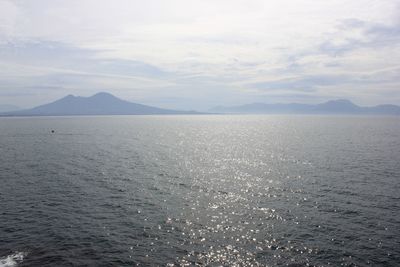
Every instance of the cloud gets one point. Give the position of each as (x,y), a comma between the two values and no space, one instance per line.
(364,35)
(200,50)
(306,84)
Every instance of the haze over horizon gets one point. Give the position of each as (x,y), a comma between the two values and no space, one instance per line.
(200,54)
(104,103)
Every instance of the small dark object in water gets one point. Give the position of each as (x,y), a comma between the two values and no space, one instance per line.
(52,131)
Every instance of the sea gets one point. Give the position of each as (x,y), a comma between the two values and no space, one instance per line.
(200,190)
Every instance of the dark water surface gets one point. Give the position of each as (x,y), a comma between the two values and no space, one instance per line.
(200,190)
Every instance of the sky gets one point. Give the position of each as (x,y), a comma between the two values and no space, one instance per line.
(188,54)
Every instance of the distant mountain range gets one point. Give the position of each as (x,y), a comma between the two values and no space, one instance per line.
(98,104)
(340,106)
(107,104)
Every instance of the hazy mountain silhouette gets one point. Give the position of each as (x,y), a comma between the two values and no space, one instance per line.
(340,106)
(98,104)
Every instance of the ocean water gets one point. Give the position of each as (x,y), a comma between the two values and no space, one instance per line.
(200,190)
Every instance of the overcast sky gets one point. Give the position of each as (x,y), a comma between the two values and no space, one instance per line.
(198,54)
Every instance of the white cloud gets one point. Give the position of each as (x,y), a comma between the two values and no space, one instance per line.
(206,45)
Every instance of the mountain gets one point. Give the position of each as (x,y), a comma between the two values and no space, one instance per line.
(98,104)
(7,108)
(340,106)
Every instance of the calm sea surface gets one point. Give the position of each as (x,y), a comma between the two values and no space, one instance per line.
(200,190)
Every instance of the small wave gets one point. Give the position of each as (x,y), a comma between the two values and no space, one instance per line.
(13,259)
